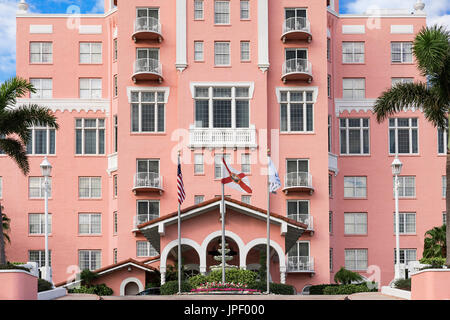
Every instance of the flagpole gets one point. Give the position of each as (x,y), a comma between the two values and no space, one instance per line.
(179,240)
(268,227)
(223,229)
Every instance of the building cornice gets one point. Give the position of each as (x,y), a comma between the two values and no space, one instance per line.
(78,105)
(66,15)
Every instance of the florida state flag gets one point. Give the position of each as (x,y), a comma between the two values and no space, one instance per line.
(235,179)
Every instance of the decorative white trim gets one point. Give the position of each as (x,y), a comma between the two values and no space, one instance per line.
(402,29)
(90,29)
(353,29)
(311,88)
(149,89)
(181,35)
(229,234)
(127,281)
(273,244)
(365,105)
(333,163)
(112,163)
(403,294)
(250,85)
(173,244)
(263,35)
(41,28)
(78,105)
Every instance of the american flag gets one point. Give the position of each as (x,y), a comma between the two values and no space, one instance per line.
(180,184)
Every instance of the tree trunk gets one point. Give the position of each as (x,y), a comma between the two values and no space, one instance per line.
(447,197)
(2,239)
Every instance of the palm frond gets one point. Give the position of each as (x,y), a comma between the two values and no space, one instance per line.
(15,149)
(12,89)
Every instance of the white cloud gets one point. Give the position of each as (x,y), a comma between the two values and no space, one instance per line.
(99,7)
(437,10)
(8,10)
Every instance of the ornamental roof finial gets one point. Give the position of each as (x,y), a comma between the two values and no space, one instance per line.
(22,7)
(419,6)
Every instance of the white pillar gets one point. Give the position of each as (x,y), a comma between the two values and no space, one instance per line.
(163,278)
(263,35)
(283,277)
(181,49)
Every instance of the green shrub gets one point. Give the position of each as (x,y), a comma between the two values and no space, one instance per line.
(344,276)
(347,289)
(436,262)
(275,288)
(103,290)
(233,275)
(153,285)
(83,289)
(403,284)
(318,289)
(87,277)
(10,266)
(44,285)
(171,287)
(197,280)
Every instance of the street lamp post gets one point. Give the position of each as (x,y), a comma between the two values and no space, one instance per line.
(46,169)
(396,170)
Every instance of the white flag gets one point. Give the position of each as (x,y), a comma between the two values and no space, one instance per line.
(274,179)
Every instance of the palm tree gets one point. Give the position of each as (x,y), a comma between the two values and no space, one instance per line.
(435,243)
(14,124)
(431,49)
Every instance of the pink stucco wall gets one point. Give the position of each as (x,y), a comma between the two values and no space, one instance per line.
(431,285)
(115,278)
(17,285)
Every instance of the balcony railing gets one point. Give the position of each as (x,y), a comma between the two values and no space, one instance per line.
(297,69)
(143,218)
(147,28)
(303,218)
(300,264)
(296,28)
(148,181)
(298,181)
(147,69)
(231,138)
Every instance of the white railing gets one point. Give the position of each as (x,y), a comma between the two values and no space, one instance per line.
(148,24)
(298,179)
(147,65)
(296,24)
(300,264)
(297,66)
(332,162)
(148,180)
(143,218)
(303,218)
(112,162)
(206,137)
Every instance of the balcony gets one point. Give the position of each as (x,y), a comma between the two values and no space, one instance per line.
(297,70)
(147,28)
(296,28)
(298,182)
(147,70)
(148,182)
(143,218)
(300,264)
(222,138)
(303,218)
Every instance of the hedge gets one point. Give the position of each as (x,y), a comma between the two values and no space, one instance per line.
(11,266)
(347,289)
(44,285)
(275,288)
(318,289)
(99,289)
(171,287)
(233,275)
(403,284)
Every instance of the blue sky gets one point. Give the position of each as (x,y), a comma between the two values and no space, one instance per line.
(438,12)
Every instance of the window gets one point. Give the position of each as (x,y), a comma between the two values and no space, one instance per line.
(296,60)
(145,249)
(245,50)
(115,86)
(406,186)
(355,187)
(39,257)
(245,163)
(395,81)
(331,259)
(147,19)
(353,52)
(44,88)
(36,223)
(222,53)
(198,51)
(246,199)
(444,186)
(218,164)
(36,189)
(42,140)
(115,50)
(199,167)
(147,60)
(354,89)
(221,12)
(444,217)
(401,52)
(403,136)
(245,10)
(41,52)
(222,107)
(90,136)
(115,186)
(115,222)
(147,111)
(298,210)
(91,52)
(296,109)
(89,187)
(356,259)
(89,259)
(199,199)
(198,10)
(328,49)
(89,223)
(329,86)
(147,210)
(90,88)
(115,255)
(330,221)
(116,132)
(354,136)
(442,139)
(330,185)
(355,223)
(406,255)
(330,133)
(407,223)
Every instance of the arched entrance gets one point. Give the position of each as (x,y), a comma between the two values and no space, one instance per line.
(131,289)
(131,286)
(213,253)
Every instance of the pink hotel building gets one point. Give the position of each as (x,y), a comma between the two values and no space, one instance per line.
(133,86)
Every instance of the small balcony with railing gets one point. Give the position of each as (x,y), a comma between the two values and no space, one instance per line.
(147,69)
(297,70)
(148,182)
(222,137)
(303,218)
(147,28)
(300,264)
(143,218)
(298,182)
(296,28)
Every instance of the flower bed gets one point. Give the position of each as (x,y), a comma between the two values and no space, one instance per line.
(224,288)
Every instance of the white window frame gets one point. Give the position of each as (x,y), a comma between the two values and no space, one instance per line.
(100,126)
(444,186)
(246,199)
(356,253)
(90,188)
(89,224)
(297,202)
(218,164)
(225,13)
(41,257)
(41,224)
(245,51)
(199,199)
(350,56)
(347,128)
(403,253)
(199,164)
(115,222)
(48,143)
(90,260)
(351,88)
(150,216)
(246,163)
(308,98)
(199,51)
(395,81)
(402,187)
(244,10)
(353,181)
(403,224)
(41,92)
(159,100)
(410,128)
(92,91)
(41,52)
(150,250)
(354,227)
(41,192)
(199,10)
(442,138)
(91,53)
(115,86)
(402,52)
(226,47)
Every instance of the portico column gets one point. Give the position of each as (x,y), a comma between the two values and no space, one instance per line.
(283,275)
(203,270)
(162,270)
